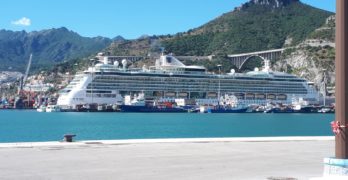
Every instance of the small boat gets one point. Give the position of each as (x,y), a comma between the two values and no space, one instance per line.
(41,108)
(106,108)
(229,110)
(52,108)
(87,107)
(138,105)
(227,104)
(325,110)
(151,109)
(302,106)
(306,109)
(281,110)
(221,109)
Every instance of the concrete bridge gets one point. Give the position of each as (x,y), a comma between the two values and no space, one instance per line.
(240,59)
(120,58)
(195,58)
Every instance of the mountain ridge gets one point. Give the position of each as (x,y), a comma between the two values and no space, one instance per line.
(254,26)
(273,3)
(250,27)
(48,46)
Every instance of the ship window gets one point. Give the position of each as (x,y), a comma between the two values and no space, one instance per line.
(194,70)
(64,91)
(169,59)
(89,91)
(108,95)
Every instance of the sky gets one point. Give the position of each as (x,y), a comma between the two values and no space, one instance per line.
(128,18)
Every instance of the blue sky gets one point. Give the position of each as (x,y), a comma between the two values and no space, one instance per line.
(128,18)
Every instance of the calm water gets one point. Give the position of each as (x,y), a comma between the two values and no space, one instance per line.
(28,126)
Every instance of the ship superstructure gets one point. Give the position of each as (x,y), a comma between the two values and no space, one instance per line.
(110,81)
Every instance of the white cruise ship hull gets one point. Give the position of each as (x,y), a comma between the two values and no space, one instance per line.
(171,80)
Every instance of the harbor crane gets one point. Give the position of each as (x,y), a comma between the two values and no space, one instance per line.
(25,77)
(19,101)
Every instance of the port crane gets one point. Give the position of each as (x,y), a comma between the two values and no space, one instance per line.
(20,94)
(25,77)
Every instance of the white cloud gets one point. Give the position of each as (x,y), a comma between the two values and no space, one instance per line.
(22,22)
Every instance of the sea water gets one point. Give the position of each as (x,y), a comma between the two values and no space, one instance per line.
(32,126)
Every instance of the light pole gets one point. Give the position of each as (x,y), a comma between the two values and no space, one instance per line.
(219,93)
(92,73)
(323,86)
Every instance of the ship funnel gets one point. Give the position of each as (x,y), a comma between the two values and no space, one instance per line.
(124,63)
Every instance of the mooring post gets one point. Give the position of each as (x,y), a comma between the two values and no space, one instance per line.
(342,78)
(68,137)
(337,167)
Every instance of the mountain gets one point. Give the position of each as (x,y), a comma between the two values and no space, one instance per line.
(118,38)
(254,26)
(314,58)
(272,3)
(48,47)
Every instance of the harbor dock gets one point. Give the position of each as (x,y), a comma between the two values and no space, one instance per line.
(217,158)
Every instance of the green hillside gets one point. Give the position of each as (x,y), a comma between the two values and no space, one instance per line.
(49,47)
(255,26)
(251,27)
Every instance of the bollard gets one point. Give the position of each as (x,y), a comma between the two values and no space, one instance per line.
(68,137)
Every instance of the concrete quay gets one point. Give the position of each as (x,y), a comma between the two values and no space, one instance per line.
(280,158)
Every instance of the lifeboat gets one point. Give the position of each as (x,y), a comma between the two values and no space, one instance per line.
(260,96)
(271,96)
(183,94)
(212,95)
(250,96)
(281,97)
(170,94)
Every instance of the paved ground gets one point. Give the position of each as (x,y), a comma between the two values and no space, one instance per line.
(197,159)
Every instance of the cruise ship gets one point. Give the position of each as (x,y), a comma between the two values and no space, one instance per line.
(110,81)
